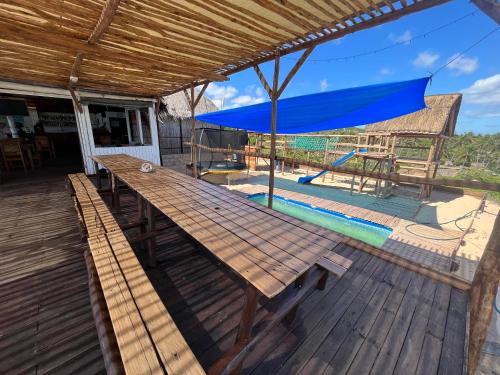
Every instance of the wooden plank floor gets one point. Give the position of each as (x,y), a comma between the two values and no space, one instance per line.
(46,322)
(379,318)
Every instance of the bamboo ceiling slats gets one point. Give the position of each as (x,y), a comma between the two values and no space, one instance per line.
(156,47)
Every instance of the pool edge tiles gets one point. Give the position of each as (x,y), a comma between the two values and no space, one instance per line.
(364,230)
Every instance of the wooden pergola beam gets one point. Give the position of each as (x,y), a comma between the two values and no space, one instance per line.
(76,65)
(326,37)
(294,70)
(107,14)
(263,81)
(200,95)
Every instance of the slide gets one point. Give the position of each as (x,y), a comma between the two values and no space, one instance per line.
(336,163)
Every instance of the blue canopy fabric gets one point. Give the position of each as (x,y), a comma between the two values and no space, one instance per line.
(327,110)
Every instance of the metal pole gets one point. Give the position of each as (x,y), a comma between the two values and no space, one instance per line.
(274,100)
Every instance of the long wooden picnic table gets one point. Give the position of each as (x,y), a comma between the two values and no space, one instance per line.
(267,249)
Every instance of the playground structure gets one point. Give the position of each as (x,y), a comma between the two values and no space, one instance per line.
(363,150)
(409,145)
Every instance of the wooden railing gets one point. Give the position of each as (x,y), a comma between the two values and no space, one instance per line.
(393,177)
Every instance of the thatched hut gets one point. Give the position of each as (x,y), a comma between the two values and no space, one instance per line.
(175,123)
(418,139)
(438,119)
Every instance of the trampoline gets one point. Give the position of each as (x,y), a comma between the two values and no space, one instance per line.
(221,162)
(221,167)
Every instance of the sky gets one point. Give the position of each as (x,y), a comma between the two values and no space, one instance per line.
(460,24)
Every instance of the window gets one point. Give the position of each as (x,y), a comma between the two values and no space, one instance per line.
(114,126)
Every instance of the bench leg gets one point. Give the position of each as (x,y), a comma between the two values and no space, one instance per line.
(290,317)
(151,241)
(322,282)
(99,181)
(116,192)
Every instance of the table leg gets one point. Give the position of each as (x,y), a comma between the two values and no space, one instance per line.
(247,320)
(99,182)
(152,240)
(248,314)
(109,179)
(116,192)
(140,212)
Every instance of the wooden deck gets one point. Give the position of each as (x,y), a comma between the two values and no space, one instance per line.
(427,245)
(379,318)
(46,322)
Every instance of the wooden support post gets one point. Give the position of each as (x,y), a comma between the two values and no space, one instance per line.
(284,156)
(388,184)
(360,188)
(115,191)
(150,229)
(308,159)
(274,93)
(193,102)
(274,100)
(98,175)
(482,294)
(378,185)
(325,158)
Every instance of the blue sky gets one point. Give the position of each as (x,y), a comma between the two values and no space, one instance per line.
(476,74)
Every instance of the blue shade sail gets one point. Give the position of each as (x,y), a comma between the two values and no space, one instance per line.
(327,110)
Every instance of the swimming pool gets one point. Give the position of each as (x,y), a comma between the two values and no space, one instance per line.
(363,230)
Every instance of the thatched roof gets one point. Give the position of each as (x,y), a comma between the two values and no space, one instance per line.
(440,117)
(177,106)
(154,47)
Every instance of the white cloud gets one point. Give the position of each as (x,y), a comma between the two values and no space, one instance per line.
(385,71)
(425,59)
(246,100)
(463,64)
(404,38)
(323,85)
(484,91)
(220,94)
(482,114)
(253,95)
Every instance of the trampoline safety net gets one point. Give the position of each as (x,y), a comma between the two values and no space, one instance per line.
(221,138)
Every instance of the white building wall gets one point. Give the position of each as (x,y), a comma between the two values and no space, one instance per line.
(148,152)
(84,126)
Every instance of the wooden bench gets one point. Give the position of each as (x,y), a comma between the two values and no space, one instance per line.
(147,337)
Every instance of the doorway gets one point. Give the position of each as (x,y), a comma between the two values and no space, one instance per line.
(38,137)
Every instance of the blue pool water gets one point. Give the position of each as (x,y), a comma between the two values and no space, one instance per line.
(363,230)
